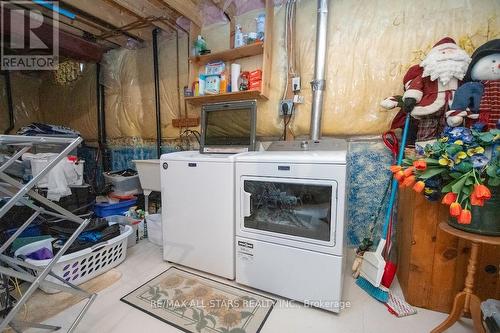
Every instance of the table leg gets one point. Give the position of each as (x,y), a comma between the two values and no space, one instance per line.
(466,301)
(475,311)
(471,272)
(455,314)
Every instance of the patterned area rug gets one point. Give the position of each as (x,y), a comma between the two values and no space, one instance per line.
(197,304)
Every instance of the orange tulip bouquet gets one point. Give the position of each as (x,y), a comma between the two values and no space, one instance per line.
(460,169)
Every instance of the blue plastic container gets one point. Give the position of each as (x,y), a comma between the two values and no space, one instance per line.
(106,209)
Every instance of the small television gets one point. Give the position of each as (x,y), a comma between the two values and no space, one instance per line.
(228,127)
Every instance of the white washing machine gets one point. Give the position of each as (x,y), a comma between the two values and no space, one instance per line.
(290,212)
(198,211)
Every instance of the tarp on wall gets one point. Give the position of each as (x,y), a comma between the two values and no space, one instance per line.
(38,98)
(128,78)
(25,98)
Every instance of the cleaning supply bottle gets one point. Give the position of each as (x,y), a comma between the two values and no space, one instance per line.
(238,37)
(200,45)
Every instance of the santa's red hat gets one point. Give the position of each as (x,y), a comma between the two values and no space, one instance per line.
(446,40)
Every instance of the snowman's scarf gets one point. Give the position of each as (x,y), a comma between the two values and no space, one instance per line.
(445,66)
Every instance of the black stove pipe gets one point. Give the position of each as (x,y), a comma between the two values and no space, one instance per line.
(157,91)
(101,120)
(10,104)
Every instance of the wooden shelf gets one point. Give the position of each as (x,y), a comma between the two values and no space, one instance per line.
(232,96)
(262,49)
(230,55)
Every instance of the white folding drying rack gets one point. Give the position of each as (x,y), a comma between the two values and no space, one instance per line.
(15,268)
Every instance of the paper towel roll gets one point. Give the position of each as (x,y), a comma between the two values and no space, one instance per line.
(235,75)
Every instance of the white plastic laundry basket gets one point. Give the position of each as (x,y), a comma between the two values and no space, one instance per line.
(79,267)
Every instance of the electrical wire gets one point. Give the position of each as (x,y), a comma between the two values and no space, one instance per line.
(287,121)
(185,139)
(15,282)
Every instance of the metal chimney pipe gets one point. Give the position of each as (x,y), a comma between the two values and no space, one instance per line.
(318,84)
(156,74)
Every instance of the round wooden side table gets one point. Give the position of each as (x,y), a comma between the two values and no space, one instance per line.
(466,301)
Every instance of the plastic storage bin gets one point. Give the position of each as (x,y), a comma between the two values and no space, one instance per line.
(79,267)
(155,231)
(123,185)
(107,209)
(132,239)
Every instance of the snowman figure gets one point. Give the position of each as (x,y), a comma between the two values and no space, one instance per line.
(477,102)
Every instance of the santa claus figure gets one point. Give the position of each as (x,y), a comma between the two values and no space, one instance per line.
(396,101)
(478,101)
(430,94)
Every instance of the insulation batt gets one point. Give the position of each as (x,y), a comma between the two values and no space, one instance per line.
(371,44)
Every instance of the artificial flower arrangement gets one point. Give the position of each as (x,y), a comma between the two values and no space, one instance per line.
(456,169)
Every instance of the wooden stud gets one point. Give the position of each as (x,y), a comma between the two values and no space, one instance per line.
(268,52)
(194,31)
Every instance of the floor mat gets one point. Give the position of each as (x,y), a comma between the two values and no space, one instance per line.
(193,303)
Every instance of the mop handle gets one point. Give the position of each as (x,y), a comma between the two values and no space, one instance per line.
(394,186)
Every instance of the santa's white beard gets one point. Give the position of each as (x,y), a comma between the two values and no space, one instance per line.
(445,66)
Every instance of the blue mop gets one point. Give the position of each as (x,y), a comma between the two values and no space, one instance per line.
(373,265)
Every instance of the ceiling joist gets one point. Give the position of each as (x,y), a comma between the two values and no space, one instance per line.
(110,23)
(186,8)
(105,13)
(144,10)
(79,27)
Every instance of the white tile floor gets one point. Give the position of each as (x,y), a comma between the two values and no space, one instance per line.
(144,261)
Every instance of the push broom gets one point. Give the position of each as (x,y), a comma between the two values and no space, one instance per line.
(373,265)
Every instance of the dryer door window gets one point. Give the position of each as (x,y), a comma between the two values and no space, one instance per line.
(283,207)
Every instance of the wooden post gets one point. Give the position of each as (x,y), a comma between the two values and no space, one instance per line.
(268,54)
(194,31)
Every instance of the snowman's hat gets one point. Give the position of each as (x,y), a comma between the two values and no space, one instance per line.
(490,47)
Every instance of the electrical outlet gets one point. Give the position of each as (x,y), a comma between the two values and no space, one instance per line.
(298,99)
(296,83)
(286,107)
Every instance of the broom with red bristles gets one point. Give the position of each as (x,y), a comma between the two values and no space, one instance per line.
(373,265)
